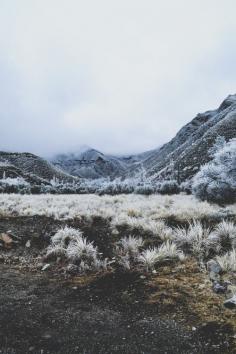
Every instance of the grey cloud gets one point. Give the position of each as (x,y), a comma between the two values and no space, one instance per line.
(119,76)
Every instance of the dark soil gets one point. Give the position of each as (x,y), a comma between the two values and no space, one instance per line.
(128,313)
(44,314)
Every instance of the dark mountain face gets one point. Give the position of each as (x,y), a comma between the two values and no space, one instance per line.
(189,149)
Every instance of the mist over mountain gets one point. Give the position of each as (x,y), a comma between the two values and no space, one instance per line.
(180,158)
(183,155)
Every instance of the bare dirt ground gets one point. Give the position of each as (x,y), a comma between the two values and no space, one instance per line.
(172,311)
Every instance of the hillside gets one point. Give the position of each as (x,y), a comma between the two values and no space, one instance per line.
(189,149)
(91,163)
(32,168)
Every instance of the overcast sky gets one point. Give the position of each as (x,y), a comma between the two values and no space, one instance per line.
(122,76)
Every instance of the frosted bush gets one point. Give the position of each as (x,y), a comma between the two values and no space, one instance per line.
(216,181)
(186,187)
(148,258)
(168,251)
(145,188)
(64,236)
(131,244)
(168,187)
(195,239)
(127,251)
(70,243)
(161,230)
(225,234)
(228,261)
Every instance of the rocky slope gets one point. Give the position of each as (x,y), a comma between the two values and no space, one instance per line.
(189,149)
(32,168)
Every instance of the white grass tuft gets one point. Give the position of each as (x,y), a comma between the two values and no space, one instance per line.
(127,251)
(225,233)
(195,239)
(167,251)
(228,261)
(77,249)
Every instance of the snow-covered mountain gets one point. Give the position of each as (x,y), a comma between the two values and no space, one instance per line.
(91,163)
(190,148)
(32,168)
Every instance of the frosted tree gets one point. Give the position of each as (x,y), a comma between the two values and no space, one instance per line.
(219,144)
(216,181)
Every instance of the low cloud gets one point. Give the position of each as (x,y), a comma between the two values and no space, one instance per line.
(120,76)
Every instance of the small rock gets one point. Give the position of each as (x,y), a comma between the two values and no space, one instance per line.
(219,288)
(214,267)
(214,276)
(231,289)
(230,303)
(28,244)
(6,239)
(142,277)
(194,328)
(46,266)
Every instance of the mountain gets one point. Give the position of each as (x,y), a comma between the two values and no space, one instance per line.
(180,158)
(91,163)
(32,168)
(183,156)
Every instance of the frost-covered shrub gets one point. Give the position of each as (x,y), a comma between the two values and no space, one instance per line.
(71,244)
(127,251)
(15,185)
(225,234)
(35,189)
(228,261)
(195,239)
(168,251)
(216,181)
(168,187)
(46,189)
(161,230)
(186,187)
(145,188)
(117,186)
(148,258)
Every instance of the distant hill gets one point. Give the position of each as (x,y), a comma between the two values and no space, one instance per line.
(91,163)
(32,168)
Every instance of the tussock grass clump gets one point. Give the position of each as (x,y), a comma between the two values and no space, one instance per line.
(127,251)
(225,234)
(195,239)
(228,261)
(71,244)
(168,251)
